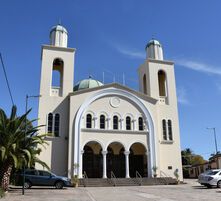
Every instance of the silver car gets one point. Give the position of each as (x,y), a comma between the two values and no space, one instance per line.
(210,178)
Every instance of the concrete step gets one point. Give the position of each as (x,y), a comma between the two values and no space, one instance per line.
(99,182)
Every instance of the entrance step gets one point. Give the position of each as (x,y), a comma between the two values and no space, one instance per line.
(99,182)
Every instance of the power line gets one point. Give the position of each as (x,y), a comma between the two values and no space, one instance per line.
(3,66)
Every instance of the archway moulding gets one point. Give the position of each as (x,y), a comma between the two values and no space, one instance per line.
(76,158)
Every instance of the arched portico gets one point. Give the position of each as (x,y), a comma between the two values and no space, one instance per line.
(138,160)
(92,159)
(116,159)
(77,140)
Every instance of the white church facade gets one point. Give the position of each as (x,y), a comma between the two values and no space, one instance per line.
(108,128)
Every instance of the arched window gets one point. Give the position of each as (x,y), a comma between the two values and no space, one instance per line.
(56,125)
(164,129)
(50,122)
(140,122)
(128,123)
(102,122)
(57,77)
(115,122)
(89,121)
(170,133)
(162,83)
(144,84)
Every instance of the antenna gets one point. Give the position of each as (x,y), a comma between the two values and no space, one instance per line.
(123,79)
(103,76)
(59,21)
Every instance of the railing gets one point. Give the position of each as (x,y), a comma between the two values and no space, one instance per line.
(139,178)
(85,179)
(113,178)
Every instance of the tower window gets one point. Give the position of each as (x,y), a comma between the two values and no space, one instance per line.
(89,121)
(162,83)
(128,123)
(144,84)
(56,125)
(170,133)
(102,121)
(164,129)
(50,122)
(140,122)
(57,77)
(115,122)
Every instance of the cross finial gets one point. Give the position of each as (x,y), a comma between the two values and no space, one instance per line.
(59,21)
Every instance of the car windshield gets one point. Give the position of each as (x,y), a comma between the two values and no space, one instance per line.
(212,172)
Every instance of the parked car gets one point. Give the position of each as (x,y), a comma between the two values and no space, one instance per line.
(210,178)
(42,178)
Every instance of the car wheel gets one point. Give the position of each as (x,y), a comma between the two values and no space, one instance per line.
(208,186)
(59,185)
(219,184)
(27,184)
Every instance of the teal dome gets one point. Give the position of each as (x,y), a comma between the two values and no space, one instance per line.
(87,84)
(153,42)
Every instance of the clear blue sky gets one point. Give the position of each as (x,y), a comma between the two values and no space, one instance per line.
(111,36)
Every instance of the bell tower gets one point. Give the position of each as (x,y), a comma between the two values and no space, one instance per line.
(156,75)
(57,79)
(57,71)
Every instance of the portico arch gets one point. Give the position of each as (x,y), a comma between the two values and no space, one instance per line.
(138,159)
(92,159)
(152,160)
(115,159)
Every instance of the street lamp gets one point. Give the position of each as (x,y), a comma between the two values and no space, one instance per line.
(214,132)
(26,110)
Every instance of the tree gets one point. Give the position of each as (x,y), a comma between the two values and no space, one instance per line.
(189,158)
(186,156)
(19,144)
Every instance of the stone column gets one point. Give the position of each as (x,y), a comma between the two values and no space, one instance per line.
(104,153)
(149,168)
(134,126)
(121,124)
(95,123)
(108,123)
(126,153)
(80,164)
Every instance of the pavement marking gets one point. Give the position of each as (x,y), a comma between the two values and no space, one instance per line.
(90,195)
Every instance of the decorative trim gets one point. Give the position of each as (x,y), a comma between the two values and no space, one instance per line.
(166,142)
(115,102)
(113,131)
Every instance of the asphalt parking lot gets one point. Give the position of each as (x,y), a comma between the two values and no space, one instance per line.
(184,192)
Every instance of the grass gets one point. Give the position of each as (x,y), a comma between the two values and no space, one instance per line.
(2,193)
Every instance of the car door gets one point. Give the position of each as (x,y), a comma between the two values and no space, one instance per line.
(45,178)
(32,176)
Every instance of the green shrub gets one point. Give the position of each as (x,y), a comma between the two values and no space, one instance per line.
(2,193)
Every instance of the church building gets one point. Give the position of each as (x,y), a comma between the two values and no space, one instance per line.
(108,128)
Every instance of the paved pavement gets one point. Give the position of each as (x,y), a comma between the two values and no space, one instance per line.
(191,191)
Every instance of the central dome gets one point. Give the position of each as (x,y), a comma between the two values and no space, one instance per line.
(87,84)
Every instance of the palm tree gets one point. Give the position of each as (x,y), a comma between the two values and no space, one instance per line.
(187,155)
(19,144)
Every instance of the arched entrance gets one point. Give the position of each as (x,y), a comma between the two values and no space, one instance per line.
(138,160)
(92,160)
(115,160)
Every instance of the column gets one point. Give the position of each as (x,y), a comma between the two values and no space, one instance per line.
(122,124)
(95,122)
(149,168)
(104,153)
(134,125)
(108,122)
(80,164)
(126,153)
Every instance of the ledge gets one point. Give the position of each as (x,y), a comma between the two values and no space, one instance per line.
(93,130)
(166,142)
